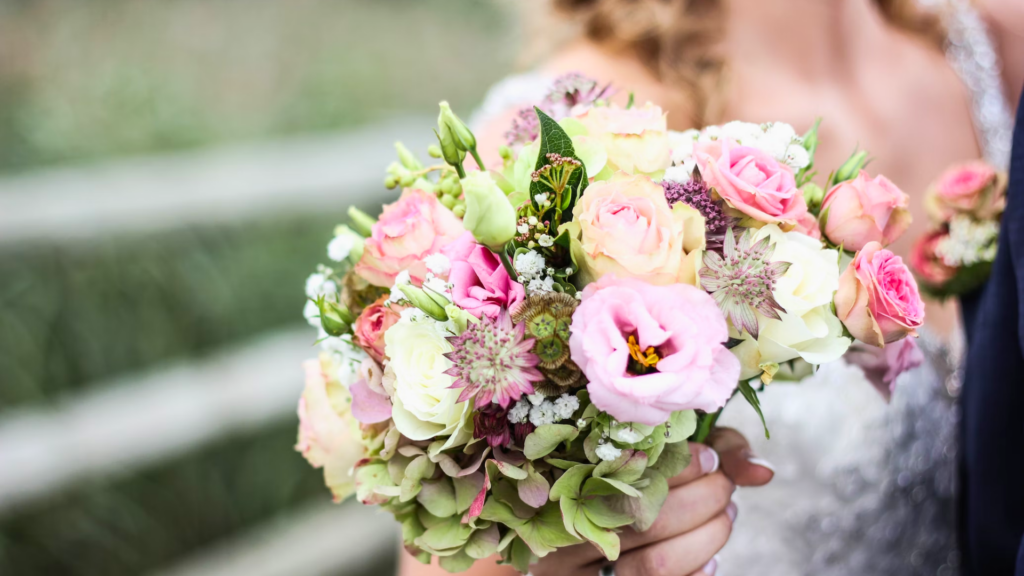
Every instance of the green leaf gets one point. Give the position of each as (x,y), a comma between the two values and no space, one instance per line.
(484,543)
(568,485)
(600,512)
(681,425)
(606,540)
(368,477)
(674,459)
(545,439)
(466,489)
(421,467)
(497,511)
(590,444)
(608,487)
(561,464)
(438,497)
(570,509)
(506,491)
(645,509)
(521,556)
(514,472)
(626,468)
(751,396)
(534,489)
(458,562)
(451,533)
(553,139)
(545,532)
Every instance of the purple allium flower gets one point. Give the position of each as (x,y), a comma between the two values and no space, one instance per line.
(742,278)
(493,361)
(491,423)
(525,127)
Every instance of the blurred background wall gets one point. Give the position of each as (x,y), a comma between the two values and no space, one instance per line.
(170,172)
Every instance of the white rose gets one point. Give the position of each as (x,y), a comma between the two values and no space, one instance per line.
(808,328)
(425,405)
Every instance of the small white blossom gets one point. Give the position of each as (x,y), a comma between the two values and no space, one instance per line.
(543,414)
(438,263)
(435,284)
(568,270)
(629,435)
(581,423)
(520,412)
(680,173)
(523,228)
(318,284)
(396,293)
(346,353)
(797,157)
(541,198)
(968,243)
(681,144)
(546,240)
(537,285)
(608,451)
(530,264)
(311,313)
(339,248)
(745,133)
(532,220)
(565,405)
(536,398)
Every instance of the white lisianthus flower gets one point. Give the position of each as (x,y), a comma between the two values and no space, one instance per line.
(808,328)
(425,404)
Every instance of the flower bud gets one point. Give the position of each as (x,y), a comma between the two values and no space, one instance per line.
(423,300)
(390,182)
(434,150)
(464,138)
(334,318)
(361,221)
(449,151)
(813,195)
(865,209)
(489,215)
(851,167)
(407,158)
(459,317)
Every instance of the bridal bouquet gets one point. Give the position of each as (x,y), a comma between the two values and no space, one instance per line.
(966,205)
(514,358)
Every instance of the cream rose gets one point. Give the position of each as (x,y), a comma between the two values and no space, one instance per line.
(807,329)
(635,139)
(624,226)
(425,405)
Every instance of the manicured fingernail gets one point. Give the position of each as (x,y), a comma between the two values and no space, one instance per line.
(709,460)
(711,567)
(761,462)
(731,511)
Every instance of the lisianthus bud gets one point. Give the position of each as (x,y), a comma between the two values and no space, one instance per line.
(432,305)
(449,150)
(851,167)
(464,138)
(334,318)
(489,215)
(865,209)
(361,221)
(813,194)
(407,158)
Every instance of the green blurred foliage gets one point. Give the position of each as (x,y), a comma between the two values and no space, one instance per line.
(75,314)
(87,80)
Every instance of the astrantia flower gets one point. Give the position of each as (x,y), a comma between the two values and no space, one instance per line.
(525,127)
(571,90)
(742,279)
(493,361)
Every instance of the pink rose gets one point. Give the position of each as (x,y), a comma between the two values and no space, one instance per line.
(969,188)
(636,139)
(865,210)
(808,224)
(883,365)
(409,230)
(877,299)
(927,263)
(624,226)
(371,324)
(480,283)
(328,436)
(751,181)
(650,350)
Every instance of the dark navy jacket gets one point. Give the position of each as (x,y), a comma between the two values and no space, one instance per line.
(992,402)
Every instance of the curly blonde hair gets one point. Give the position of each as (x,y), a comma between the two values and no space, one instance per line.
(676,39)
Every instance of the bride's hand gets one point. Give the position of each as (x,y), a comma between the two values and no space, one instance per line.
(694,524)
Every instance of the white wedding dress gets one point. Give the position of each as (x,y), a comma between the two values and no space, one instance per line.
(861,487)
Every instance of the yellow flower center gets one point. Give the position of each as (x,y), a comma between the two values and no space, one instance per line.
(646,358)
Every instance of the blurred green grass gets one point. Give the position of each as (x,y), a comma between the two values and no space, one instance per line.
(81,81)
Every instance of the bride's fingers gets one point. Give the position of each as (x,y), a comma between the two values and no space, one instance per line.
(703,460)
(684,554)
(709,569)
(738,460)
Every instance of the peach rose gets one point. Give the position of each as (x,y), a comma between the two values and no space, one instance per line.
(971,188)
(636,139)
(328,435)
(751,181)
(927,263)
(624,226)
(865,210)
(409,230)
(371,324)
(878,300)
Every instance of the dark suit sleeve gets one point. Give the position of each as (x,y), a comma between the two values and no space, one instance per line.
(1020,559)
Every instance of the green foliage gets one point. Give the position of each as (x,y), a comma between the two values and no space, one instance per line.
(554,140)
(750,395)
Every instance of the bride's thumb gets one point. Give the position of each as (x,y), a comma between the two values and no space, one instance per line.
(739,462)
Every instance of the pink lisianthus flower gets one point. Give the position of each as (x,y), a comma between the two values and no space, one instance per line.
(970,188)
(883,365)
(865,210)
(651,350)
(370,402)
(328,435)
(878,300)
(751,181)
(372,323)
(409,230)
(480,283)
